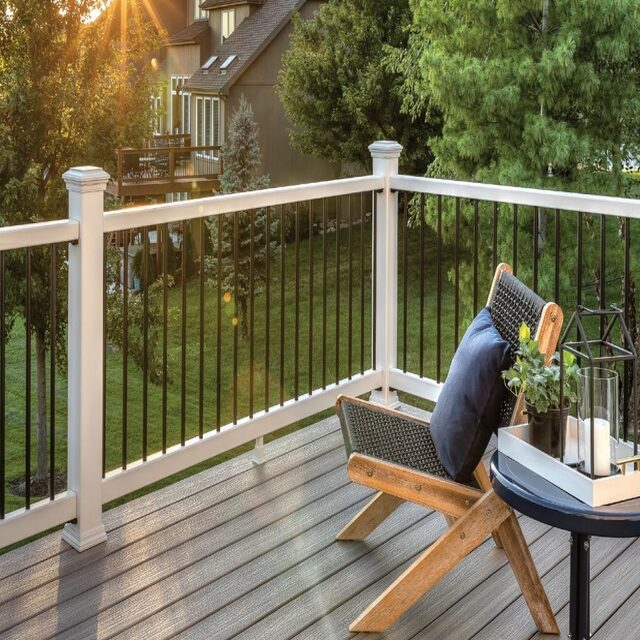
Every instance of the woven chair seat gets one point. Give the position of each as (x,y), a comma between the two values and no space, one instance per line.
(372,431)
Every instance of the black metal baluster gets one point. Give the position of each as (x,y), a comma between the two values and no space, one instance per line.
(627,311)
(252,291)
(350,287)
(495,235)
(53,321)
(439,293)
(515,240)
(310,297)
(296,338)
(556,284)
(3,416)
(104,364)
(282,299)
(145,343)
(422,230)
(219,324)
(201,309)
(476,257)
(374,276)
(405,275)
(236,309)
(165,330)
(324,293)
(183,334)
(27,413)
(267,309)
(3,363)
(362,283)
(125,347)
(337,376)
(536,246)
(456,322)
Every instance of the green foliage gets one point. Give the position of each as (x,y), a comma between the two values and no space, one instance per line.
(241,231)
(68,96)
(527,87)
(339,93)
(535,94)
(540,382)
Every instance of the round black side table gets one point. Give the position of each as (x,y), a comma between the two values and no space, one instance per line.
(532,495)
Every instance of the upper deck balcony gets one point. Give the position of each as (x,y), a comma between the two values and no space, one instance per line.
(167,164)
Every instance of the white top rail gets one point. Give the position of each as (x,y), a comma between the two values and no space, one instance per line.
(21,236)
(217,205)
(623,207)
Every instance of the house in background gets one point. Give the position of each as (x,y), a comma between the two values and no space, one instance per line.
(215,52)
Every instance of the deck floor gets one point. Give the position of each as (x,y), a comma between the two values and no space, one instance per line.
(241,551)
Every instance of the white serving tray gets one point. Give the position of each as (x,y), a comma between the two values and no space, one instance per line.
(514,442)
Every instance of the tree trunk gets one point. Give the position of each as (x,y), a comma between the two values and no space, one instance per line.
(41,386)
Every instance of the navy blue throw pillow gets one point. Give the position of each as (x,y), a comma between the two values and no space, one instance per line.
(469,404)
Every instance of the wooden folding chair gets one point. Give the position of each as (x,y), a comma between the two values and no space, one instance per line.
(392,452)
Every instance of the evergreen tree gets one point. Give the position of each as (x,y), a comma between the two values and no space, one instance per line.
(243,232)
(339,94)
(68,96)
(536,93)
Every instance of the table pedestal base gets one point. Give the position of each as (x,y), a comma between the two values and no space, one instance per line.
(579,589)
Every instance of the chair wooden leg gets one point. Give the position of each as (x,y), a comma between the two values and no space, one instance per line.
(468,532)
(377,510)
(482,478)
(515,546)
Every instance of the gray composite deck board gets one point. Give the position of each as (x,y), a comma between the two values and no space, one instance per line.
(51,545)
(227,500)
(222,525)
(248,551)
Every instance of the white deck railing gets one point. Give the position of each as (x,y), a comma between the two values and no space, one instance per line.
(85,229)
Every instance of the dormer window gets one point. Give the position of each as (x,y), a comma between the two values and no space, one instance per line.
(228,23)
(198,13)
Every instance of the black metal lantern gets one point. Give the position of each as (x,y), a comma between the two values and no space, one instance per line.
(598,415)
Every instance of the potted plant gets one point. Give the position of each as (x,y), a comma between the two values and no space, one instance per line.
(540,384)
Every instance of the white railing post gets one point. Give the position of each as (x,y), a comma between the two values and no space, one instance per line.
(385,156)
(86,187)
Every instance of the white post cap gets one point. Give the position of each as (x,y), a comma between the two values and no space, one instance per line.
(387,149)
(86,179)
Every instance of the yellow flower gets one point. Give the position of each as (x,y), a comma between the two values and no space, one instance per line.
(525,332)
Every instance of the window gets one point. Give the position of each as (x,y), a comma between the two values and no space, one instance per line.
(198,13)
(156,117)
(180,106)
(227,63)
(207,124)
(209,63)
(228,23)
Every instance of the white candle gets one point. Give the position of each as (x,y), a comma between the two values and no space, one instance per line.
(601,438)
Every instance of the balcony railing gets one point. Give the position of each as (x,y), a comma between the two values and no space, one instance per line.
(227,318)
(166,169)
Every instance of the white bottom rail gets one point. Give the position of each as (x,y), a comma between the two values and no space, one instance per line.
(415,385)
(177,458)
(46,514)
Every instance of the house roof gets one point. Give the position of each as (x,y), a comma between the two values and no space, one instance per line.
(249,39)
(191,35)
(216,4)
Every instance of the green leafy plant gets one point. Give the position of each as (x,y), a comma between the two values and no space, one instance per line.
(539,381)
